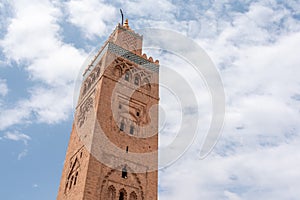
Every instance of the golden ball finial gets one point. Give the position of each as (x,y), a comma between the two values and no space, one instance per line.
(126,24)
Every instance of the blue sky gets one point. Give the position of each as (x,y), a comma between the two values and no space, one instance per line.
(253,44)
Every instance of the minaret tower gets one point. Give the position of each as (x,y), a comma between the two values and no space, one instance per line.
(112,152)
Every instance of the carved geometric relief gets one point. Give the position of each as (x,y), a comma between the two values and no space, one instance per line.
(118,71)
(111,193)
(84,109)
(130,41)
(112,187)
(91,79)
(132,196)
(131,73)
(130,116)
(72,175)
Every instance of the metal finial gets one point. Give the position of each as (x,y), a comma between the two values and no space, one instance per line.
(126,24)
(122,16)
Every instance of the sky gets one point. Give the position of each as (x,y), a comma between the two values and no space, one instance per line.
(254,45)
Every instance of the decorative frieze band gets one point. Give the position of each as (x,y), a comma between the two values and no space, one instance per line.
(113,48)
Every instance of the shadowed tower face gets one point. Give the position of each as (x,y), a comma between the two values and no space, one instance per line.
(112,152)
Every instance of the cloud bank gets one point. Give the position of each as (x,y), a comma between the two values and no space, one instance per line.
(254,45)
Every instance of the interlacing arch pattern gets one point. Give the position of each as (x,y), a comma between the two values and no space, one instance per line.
(111,193)
(131,73)
(133,195)
(72,175)
(122,194)
(84,109)
(121,67)
(91,79)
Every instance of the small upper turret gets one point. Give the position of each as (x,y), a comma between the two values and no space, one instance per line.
(126,38)
(126,25)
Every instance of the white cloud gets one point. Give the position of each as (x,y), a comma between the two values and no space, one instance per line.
(4,12)
(258,62)
(256,50)
(245,175)
(158,11)
(98,18)
(50,106)
(29,36)
(91,16)
(3,87)
(257,54)
(266,84)
(16,136)
(12,116)
(22,154)
(60,67)
(34,41)
(231,196)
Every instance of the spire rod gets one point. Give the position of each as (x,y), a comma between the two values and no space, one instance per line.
(122,16)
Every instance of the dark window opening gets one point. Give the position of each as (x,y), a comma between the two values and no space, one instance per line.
(121,197)
(138,114)
(80,154)
(127,76)
(111,193)
(122,126)
(127,149)
(131,130)
(71,182)
(148,86)
(67,185)
(120,106)
(124,172)
(136,81)
(75,180)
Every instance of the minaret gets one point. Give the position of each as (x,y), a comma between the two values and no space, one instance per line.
(112,152)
